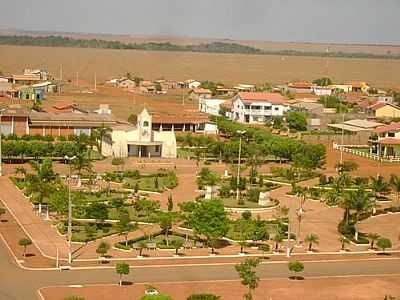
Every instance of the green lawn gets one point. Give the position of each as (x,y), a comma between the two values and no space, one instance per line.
(84,233)
(148,183)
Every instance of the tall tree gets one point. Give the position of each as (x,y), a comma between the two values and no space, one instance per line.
(124,224)
(395,184)
(248,275)
(210,219)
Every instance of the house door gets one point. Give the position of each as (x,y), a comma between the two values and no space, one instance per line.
(143,151)
(247,118)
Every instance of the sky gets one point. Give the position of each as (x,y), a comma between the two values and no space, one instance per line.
(337,21)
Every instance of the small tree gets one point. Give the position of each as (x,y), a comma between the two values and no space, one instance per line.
(124,224)
(296,267)
(384,243)
(343,241)
(170,203)
(25,243)
(102,249)
(373,237)
(248,275)
(311,239)
(177,243)
(141,245)
(278,238)
(122,269)
(264,248)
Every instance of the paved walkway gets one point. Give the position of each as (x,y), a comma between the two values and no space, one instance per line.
(44,236)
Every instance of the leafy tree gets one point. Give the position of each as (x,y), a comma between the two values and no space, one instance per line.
(210,219)
(324,81)
(108,177)
(25,242)
(311,239)
(102,249)
(384,243)
(379,186)
(360,202)
(22,171)
(296,267)
(212,86)
(141,245)
(122,269)
(97,211)
(203,297)
(124,224)
(278,238)
(248,276)
(207,178)
(170,203)
(146,206)
(166,221)
(297,121)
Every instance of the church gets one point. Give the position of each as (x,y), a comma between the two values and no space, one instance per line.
(140,140)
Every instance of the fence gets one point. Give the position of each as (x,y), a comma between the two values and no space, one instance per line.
(352,149)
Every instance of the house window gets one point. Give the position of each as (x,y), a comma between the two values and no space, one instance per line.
(80,131)
(145,124)
(247,106)
(391,134)
(267,107)
(276,108)
(157,148)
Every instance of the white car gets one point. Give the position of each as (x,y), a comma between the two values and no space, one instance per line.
(151,292)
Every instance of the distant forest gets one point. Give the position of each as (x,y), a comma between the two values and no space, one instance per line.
(215,47)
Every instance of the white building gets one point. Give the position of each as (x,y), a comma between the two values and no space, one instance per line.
(322,90)
(210,106)
(140,141)
(258,107)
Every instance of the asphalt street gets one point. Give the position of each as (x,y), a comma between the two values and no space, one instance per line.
(20,284)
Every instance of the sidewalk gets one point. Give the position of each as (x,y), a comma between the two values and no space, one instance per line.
(42,234)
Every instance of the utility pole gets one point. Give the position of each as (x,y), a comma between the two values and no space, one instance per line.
(77,78)
(1,168)
(95,82)
(61,73)
(240,132)
(342,140)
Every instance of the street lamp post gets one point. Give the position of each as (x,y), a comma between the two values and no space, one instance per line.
(1,114)
(299,213)
(69,235)
(240,132)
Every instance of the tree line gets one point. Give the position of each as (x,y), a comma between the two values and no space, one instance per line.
(214,47)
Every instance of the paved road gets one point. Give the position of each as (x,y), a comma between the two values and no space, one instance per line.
(18,284)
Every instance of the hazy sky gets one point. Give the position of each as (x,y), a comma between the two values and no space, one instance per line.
(360,21)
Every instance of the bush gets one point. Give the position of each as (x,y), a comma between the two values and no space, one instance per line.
(203,297)
(156,297)
(253,195)
(322,180)
(117,161)
(122,246)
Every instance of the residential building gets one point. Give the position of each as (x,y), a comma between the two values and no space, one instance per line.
(385,110)
(386,142)
(14,120)
(210,106)
(189,122)
(359,87)
(140,141)
(362,130)
(126,83)
(198,93)
(29,92)
(258,107)
(5,86)
(245,88)
(322,90)
(300,87)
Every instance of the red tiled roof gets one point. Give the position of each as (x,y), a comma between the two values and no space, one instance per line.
(388,128)
(273,98)
(389,141)
(377,105)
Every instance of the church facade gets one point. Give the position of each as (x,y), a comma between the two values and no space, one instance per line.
(140,140)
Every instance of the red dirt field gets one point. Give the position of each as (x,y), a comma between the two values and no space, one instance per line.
(345,288)
(226,68)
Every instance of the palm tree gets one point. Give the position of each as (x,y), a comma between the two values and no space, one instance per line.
(100,134)
(395,184)
(373,237)
(44,170)
(311,239)
(361,202)
(345,202)
(302,193)
(379,186)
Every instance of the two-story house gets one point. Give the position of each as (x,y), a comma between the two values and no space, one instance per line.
(258,107)
(386,143)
